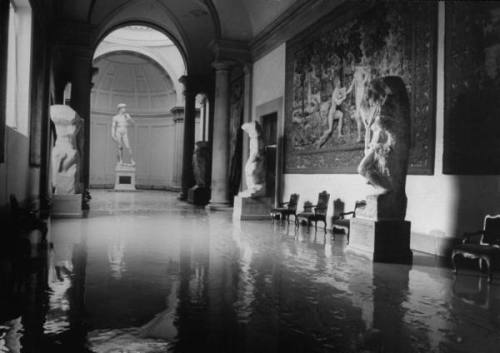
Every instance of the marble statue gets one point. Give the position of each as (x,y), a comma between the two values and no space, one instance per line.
(201,157)
(119,132)
(65,155)
(254,168)
(386,112)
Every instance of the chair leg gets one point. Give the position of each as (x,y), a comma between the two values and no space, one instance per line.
(490,272)
(454,262)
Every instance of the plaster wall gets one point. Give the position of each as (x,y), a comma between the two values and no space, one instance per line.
(15,171)
(440,207)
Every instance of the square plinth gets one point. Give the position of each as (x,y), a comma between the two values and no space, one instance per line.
(381,240)
(198,195)
(124,177)
(248,208)
(63,206)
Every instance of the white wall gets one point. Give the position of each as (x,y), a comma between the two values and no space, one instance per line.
(16,176)
(440,207)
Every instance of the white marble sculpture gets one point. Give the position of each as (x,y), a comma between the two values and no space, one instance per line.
(254,168)
(65,156)
(119,133)
(386,112)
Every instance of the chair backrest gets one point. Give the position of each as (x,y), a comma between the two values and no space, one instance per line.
(308,206)
(359,204)
(322,206)
(491,229)
(294,200)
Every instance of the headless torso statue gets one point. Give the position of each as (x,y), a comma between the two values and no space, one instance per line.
(119,132)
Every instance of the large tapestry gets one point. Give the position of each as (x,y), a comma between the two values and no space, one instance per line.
(472,88)
(328,67)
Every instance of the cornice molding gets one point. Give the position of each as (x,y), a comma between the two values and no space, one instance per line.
(225,49)
(292,21)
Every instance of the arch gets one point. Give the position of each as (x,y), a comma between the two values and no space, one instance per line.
(154,62)
(163,64)
(147,23)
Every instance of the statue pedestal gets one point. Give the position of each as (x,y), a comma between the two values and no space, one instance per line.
(124,177)
(381,240)
(63,206)
(248,208)
(198,195)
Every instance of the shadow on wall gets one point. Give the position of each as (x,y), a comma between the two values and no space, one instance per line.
(14,173)
(475,197)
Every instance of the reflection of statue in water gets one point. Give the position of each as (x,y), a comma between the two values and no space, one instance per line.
(65,156)
(119,132)
(386,111)
(254,168)
(339,95)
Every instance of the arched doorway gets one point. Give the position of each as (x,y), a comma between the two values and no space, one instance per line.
(139,67)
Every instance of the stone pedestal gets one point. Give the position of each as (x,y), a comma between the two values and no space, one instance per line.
(198,195)
(66,206)
(381,240)
(248,208)
(124,177)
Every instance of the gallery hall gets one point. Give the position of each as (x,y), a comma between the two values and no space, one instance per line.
(251,176)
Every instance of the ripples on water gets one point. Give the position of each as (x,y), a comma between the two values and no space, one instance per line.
(147,274)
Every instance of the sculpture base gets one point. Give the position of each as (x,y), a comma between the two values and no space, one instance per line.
(248,208)
(388,206)
(381,240)
(198,195)
(63,206)
(124,177)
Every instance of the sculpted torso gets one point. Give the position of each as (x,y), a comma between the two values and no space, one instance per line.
(387,112)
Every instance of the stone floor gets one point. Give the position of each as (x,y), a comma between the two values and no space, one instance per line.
(147,273)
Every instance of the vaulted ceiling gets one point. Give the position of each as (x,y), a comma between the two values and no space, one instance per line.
(192,24)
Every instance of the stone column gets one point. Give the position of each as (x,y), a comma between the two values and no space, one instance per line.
(189,131)
(81,83)
(220,144)
(178,113)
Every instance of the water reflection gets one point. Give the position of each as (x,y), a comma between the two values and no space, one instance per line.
(191,282)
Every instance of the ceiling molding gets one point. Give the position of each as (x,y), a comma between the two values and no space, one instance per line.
(230,49)
(292,21)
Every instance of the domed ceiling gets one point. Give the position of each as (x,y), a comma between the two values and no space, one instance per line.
(133,79)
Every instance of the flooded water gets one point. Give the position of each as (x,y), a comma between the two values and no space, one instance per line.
(147,273)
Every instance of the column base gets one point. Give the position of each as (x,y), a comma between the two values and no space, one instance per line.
(219,206)
(381,240)
(66,206)
(251,209)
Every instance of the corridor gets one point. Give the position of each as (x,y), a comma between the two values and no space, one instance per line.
(147,273)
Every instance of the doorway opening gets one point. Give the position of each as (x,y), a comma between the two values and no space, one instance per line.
(270,131)
(137,109)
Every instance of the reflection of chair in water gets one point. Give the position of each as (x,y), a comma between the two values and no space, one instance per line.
(319,213)
(472,291)
(486,249)
(343,219)
(287,208)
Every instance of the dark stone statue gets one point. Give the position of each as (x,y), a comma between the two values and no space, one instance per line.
(386,113)
(201,158)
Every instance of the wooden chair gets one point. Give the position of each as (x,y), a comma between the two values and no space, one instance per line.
(343,220)
(287,208)
(485,249)
(319,213)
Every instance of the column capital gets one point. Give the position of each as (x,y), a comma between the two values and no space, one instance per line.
(223,65)
(247,69)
